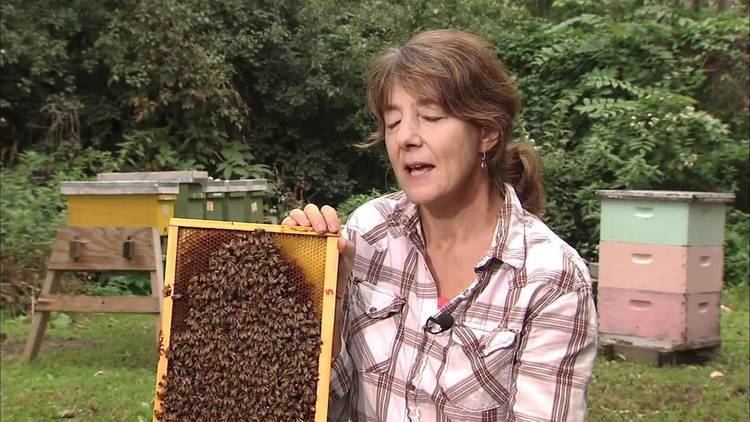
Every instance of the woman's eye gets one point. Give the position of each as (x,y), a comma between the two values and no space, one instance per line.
(393,125)
(432,118)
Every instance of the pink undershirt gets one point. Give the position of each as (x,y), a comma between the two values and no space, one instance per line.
(442,302)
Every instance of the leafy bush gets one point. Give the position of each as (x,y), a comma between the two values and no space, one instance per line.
(615,99)
(347,207)
(737,249)
(115,284)
(31,211)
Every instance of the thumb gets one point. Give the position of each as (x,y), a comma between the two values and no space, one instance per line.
(346,255)
(346,264)
(346,248)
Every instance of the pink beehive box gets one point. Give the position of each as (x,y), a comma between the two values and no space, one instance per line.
(676,318)
(661,268)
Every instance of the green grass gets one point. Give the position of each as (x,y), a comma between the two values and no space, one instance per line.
(94,368)
(102,368)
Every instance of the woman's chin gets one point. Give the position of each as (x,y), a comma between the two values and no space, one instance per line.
(420,196)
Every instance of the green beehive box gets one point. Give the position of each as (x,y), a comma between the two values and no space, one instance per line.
(235,200)
(216,200)
(190,199)
(664,217)
(245,200)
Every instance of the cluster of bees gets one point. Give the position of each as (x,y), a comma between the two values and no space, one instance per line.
(247,343)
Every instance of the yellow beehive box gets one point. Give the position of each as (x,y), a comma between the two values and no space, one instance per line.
(191,246)
(120,203)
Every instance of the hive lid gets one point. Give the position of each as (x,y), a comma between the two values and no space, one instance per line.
(241,185)
(129,187)
(213,186)
(184,176)
(247,185)
(667,195)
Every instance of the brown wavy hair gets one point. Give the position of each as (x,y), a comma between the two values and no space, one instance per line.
(461,72)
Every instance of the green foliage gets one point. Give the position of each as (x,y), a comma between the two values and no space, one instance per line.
(737,249)
(31,211)
(126,284)
(346,208)
(615,99)
(617,94)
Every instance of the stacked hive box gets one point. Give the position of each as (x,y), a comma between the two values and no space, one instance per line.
(235,200)
(143,199)
(190,197)
(661,268)
(120,203)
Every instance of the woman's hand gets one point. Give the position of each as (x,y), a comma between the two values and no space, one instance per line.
(323,220)
(326,220)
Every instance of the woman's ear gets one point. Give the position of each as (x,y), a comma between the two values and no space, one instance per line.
(489,138)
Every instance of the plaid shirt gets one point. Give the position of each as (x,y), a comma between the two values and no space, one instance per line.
(523,341)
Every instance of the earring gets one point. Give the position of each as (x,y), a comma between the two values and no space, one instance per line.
(483,162)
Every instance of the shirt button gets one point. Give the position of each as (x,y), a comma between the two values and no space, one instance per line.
(373,309)
(411,387)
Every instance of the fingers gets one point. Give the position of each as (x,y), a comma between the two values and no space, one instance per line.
(331,218)
(321,220)
(315,217)
(288,221)
(296,218)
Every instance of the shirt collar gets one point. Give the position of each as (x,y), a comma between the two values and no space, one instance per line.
(508,243)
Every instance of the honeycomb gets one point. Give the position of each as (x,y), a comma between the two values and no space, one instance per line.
(192,255)
(194,245)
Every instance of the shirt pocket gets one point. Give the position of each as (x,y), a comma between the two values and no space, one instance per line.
(478,369)
(376,315)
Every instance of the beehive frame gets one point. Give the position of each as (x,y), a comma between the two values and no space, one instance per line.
(296,243)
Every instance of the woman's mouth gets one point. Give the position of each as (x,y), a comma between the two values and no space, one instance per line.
(419,169)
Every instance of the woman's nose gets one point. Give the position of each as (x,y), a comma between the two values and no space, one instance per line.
(408,133)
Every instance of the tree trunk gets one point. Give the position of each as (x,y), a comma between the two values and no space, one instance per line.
(725,4)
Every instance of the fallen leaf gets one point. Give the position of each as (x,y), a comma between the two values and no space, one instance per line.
(97,373)
(621,356)
(726,309)
(60,320)
(716,374)
(67,414)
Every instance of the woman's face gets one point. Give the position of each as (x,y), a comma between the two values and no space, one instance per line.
(436,157)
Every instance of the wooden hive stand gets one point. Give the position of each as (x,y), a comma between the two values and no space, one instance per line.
(131,249)
(658,352)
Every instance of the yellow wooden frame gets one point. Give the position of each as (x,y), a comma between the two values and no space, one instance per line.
(328,309)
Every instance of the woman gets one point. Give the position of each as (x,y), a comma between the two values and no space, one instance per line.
(461,304)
